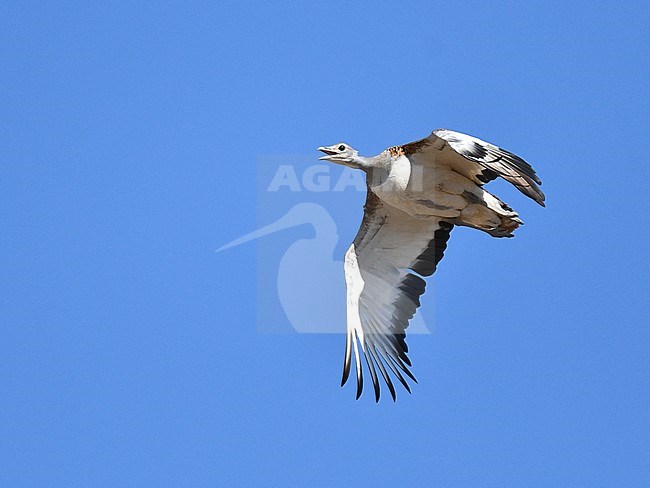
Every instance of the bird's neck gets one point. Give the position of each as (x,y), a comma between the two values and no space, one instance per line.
(361,162)
(381,161)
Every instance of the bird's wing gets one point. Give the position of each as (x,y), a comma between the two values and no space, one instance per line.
(383,269)
(476,159)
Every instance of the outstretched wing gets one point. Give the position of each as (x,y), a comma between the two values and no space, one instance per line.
(476,159)
(383,273)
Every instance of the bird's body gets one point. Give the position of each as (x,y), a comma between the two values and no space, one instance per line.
(417,192)
(426,192)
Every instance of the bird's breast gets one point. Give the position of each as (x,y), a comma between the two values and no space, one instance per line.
(396,180)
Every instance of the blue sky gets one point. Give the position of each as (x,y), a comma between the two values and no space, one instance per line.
(131,352)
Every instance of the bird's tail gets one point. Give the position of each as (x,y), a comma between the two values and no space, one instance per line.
(490,215)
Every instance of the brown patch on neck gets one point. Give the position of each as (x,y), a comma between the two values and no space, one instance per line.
(396,151)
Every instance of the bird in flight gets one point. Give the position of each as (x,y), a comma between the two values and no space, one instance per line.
(416,194)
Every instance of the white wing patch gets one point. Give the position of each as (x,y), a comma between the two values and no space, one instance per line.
(382,269)
(476,159)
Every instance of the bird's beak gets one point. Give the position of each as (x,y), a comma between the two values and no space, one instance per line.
(329,153)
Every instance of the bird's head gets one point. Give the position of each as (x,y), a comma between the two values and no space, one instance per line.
(341,153)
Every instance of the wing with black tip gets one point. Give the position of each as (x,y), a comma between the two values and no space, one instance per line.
(475,159)
(383,271)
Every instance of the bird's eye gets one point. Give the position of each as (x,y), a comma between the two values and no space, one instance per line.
(341,147)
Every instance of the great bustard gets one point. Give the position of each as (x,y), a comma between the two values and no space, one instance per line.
(416,193)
